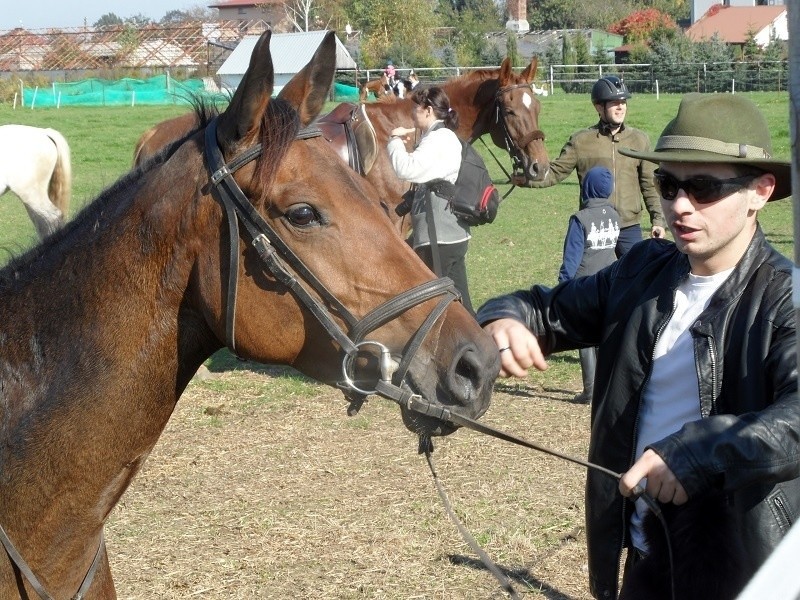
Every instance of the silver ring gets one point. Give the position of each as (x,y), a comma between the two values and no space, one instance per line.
(504,349)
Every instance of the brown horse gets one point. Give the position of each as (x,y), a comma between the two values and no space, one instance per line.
(107,320)
(379,87)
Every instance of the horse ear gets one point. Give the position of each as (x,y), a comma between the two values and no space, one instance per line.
(309,88)
(251,97)
(529,74)
(506,72)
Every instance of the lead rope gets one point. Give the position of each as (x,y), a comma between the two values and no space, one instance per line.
(427,447)
(502,168)
(414,402)
(636,493)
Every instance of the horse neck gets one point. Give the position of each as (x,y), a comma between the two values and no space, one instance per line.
(472,97)
(94,367)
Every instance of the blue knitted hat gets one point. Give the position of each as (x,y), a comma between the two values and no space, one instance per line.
(597,183)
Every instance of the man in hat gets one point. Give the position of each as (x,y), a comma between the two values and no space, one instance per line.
(696,381)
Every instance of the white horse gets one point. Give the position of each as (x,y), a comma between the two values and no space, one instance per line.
(35,164)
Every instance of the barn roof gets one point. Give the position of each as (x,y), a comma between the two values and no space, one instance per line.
(290,53)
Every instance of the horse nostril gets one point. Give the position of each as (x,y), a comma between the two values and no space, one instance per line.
(467,370)
(469,375)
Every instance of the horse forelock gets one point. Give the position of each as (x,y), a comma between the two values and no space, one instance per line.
(279,126)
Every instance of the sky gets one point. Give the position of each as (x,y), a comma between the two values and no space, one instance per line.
(72,13)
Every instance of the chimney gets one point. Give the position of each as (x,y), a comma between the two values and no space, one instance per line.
(517,16)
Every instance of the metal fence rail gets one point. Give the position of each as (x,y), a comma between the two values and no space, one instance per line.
(761,76)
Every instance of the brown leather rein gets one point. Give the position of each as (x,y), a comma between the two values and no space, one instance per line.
(19,563)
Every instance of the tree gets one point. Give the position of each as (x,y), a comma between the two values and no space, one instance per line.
(511,50)
(393,29)
(582,54)
(669,55)
(576,14)
(300,13)
(717,57)
(196,13)
(470,21)
(138,20)
(107,20)
(642,25)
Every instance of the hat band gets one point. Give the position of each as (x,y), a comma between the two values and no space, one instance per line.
(689,142)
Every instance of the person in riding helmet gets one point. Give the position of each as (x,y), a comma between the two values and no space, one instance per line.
(598,146)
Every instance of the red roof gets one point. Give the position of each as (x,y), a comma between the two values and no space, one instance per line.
(732,23)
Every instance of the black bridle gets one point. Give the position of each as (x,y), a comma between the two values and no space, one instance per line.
(290,270)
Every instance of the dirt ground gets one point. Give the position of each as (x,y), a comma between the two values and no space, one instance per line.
(251,496)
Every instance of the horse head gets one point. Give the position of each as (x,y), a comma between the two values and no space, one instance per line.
(324,226)
(515,119)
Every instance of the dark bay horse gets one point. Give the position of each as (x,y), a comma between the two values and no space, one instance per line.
(248,233)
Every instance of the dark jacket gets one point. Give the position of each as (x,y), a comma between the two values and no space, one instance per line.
(592,235)
(747,445)
(633,178)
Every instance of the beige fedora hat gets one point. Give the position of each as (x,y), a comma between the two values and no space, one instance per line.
(720,128)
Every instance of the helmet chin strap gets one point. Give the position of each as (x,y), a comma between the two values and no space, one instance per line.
(610,128)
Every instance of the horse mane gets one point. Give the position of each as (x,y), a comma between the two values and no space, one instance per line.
(477,77)
(48,256)
(204,110)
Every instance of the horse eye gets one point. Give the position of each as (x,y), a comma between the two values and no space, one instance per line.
(302,215)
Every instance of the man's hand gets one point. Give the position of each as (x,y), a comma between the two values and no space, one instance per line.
(661,481)
(519,349)
(657,231)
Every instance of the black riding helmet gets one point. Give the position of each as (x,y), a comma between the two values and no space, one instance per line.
(609,88)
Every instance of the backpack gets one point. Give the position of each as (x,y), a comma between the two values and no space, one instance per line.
(473,198)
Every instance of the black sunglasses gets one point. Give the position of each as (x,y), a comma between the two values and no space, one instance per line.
(704,190)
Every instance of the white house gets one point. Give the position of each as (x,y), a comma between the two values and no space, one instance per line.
(700,7)
(290,53)
(732,24)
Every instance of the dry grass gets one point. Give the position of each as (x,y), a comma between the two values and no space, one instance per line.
(250,497)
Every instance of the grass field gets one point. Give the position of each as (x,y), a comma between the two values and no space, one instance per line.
(261,487)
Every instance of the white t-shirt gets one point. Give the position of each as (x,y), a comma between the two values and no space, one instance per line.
(672,395)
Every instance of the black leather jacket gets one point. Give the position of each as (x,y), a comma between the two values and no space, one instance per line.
(747,444)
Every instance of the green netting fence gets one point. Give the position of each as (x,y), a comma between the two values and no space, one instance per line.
(131,92)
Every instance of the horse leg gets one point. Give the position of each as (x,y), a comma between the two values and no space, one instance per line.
(45,215)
